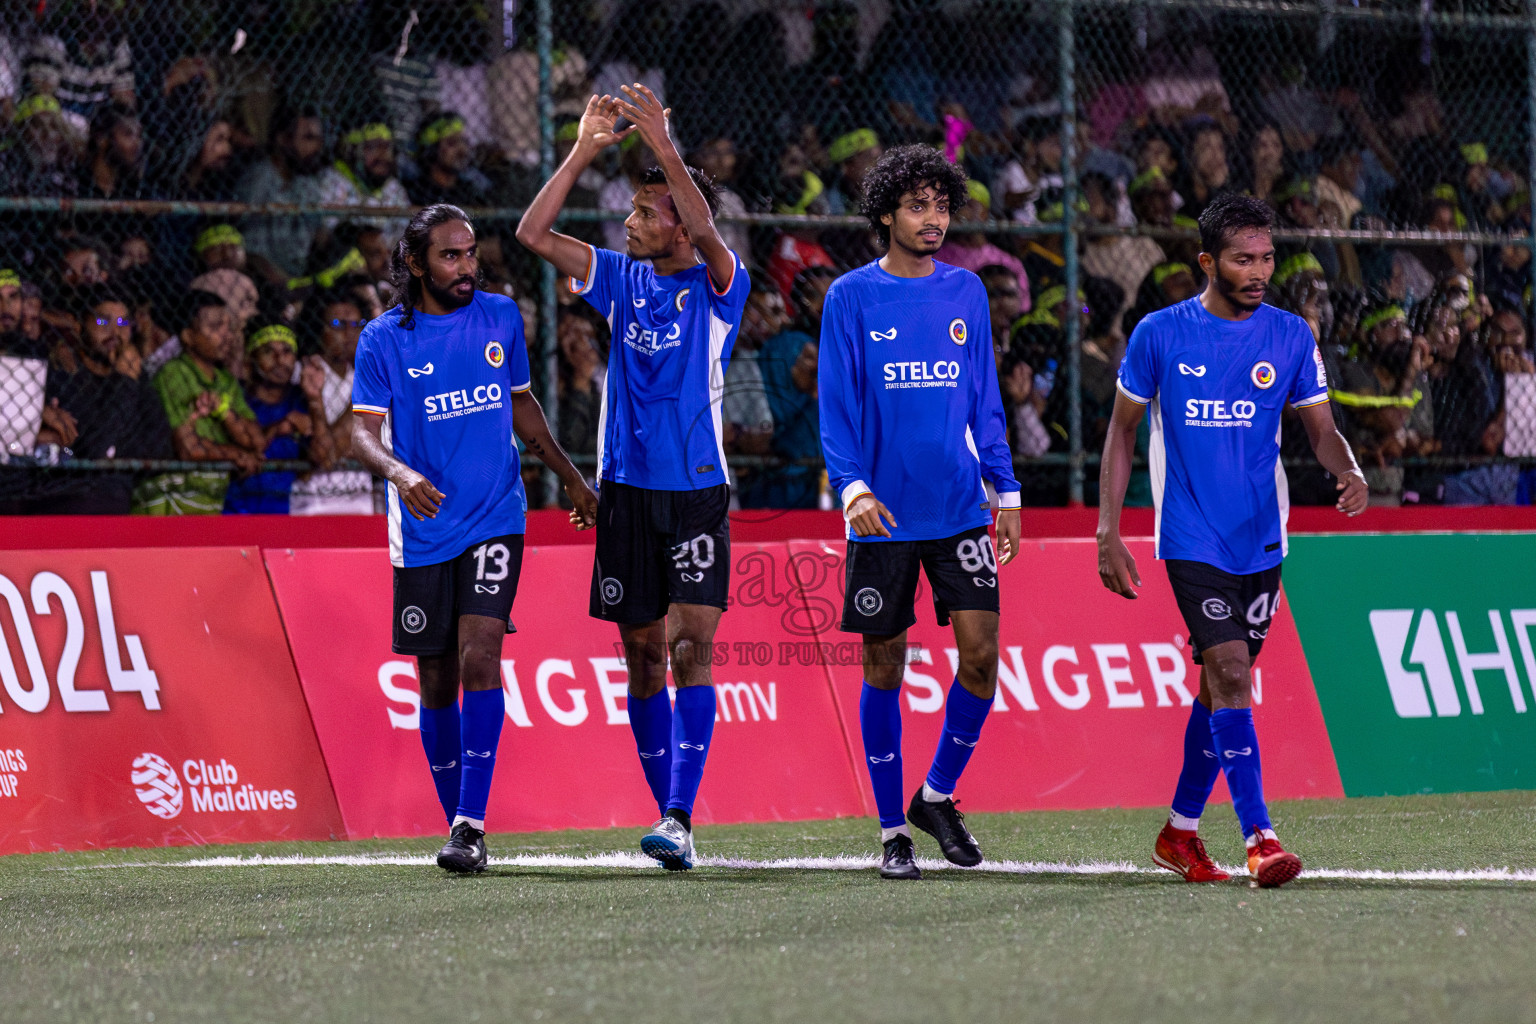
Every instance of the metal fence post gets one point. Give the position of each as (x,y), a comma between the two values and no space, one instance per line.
(548,305)
(1072,327)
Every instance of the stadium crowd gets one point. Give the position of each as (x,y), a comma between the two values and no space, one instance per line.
(230,339)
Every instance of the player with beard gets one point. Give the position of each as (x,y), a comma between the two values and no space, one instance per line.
(443,381)
(1217,370)
(911,421)
(663,562)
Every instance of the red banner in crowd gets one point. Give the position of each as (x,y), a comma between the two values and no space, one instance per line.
(567,758)
(1093,690)
(149,699)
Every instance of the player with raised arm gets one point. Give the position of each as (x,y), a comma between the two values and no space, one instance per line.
(911,421)
(1217,370)
(443,383)
(662,568)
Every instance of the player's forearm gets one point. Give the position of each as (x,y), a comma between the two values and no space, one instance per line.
(1114,478)
(536,230)
(370,451)
(533,430)
(693,211)
(1334,453)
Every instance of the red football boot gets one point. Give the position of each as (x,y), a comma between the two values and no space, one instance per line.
(1268,863)
(1182,852)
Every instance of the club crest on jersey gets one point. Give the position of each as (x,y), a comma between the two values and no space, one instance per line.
(494,354)
(1262,374)
(957,331)
(682,297)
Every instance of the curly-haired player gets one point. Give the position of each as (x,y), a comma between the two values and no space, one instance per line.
(911,421)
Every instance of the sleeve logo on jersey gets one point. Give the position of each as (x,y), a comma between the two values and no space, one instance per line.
(1322,374)
(957,331)
(1262,374)
(682,299)
(494,354)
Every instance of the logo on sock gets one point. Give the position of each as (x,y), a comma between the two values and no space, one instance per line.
(1238,753)
(1216,608)
(658,753)
(691,746)
(444,767)
(1208,753)
(962,742)
(474,753)
(888,758)
(868,601)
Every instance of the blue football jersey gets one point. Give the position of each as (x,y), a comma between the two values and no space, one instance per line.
(910,406)
(1216,389)
(445,391)
(659,424)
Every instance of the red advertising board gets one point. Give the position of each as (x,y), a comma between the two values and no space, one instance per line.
(1093,689)
(567,757)
(149,699)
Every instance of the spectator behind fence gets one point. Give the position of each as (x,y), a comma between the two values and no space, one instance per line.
(30,413)
(41,160)
(363,174)
(444,173)
(1380,388)
(290,173)
(796,249)
(292,419)
(796,437)
(82,59)
(1122,259)
(1207,173)
(717,158)
(114,155)
(582,377)
(1026,436)
(210,420)
(1482,427)
(220,251)
(744,410)
(328,329)
(973,250)
(117,409)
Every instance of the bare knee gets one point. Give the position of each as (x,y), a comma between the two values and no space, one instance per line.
(885,661)
(978,668)
(1227,675)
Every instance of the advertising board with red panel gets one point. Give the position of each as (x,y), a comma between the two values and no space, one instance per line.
(149,699)
(567,757)
(1093,689)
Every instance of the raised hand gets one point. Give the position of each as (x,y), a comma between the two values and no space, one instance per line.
(597,123)
(645,110)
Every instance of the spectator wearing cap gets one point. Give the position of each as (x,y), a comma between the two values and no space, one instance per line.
(1169,282)
(363,174)
(29,388)
(289,174)
(42,163)
(798,248)
(444,173)
(209,416)
(973,250)
(291,417)
(1480,191)
(1302,286)
(12,339)
(1153,203)
(852,154)
(84,61)
(118,411)
(1380,387)
(1295,202)
(220,250)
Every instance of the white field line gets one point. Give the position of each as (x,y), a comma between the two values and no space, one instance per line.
(625,860)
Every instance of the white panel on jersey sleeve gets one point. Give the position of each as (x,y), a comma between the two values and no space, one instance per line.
(719,330)
(1157,466)
(1283,497)
(396,538)
(602,419)
(970,442)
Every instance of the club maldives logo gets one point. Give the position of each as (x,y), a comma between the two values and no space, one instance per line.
(1428,688)
(157,785)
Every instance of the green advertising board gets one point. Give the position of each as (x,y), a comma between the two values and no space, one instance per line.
(1420,646)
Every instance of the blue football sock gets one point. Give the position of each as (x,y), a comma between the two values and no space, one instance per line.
(880,724)
(440,739)
(1238,747)
(1198,775)
(693,723)
(481,730)
(650,719)
(964,715)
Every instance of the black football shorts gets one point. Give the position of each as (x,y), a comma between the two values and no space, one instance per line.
(429,599)
(880,578)
(659,548)
(1220,607)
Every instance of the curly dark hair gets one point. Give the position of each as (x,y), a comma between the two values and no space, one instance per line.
(907,169)
(1229,213)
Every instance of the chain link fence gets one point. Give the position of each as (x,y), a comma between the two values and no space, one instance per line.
(200,198)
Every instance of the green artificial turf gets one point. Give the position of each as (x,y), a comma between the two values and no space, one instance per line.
(90,937)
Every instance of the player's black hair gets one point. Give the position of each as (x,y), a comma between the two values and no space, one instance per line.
(707,186)
(907,169)
(1229,213)
(413,245)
